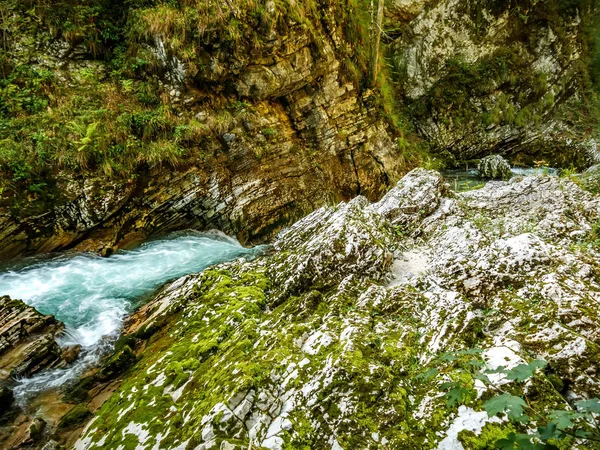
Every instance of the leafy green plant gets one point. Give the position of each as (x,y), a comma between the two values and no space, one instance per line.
(540,428)
(268,132)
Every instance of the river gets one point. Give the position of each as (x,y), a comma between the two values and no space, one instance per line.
(92,295)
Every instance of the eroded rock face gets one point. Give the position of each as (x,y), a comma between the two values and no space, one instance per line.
(296,135)
(484,76)
(330,341)
(27,343)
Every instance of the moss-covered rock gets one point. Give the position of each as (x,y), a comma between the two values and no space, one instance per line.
(494,167)
(488,76)
(117,364)
(77,416)
(353,335)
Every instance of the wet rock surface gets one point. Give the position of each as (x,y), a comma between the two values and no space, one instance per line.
(27,347)
(326,341)
(27,340)
(6,399)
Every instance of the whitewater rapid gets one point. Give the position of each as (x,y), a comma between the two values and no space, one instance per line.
(92,295)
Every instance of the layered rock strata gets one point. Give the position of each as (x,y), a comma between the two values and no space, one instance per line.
(285,131)
(27,340)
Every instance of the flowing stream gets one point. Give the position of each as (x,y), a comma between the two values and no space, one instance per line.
(93,295)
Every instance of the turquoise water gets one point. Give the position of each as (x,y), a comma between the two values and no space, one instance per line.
(93,295)
(466,179)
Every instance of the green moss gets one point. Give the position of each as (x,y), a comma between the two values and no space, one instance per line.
(117,364)
(77,416)
(490,434)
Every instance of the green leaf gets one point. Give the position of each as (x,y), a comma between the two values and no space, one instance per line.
(591,406)
(428,375)
(482,377)
(448,357)
(506,444)
(457,393)
(499,369)
(525,371)
(519,441)
(453,356)
(448,385)
(456,396)
(511,405)
(548,432)
(564,419)
(477,363)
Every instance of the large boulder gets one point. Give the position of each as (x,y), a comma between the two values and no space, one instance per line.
(330,244)
(494,167)
(415,196)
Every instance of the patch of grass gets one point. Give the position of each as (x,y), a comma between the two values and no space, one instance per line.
(269,132)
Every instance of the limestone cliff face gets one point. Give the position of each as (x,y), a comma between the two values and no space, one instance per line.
(285,132)
(499,76)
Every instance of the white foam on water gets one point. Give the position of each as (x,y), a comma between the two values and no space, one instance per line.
(93,295)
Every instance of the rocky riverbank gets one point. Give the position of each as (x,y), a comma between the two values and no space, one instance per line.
(368,326)
(27,340)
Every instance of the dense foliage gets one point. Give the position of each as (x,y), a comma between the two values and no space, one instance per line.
(83,87)
(532,427)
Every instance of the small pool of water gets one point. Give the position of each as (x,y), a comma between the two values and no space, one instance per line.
(467,179)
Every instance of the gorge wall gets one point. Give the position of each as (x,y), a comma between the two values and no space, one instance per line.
(499,76)
(244,135)
(121,121)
